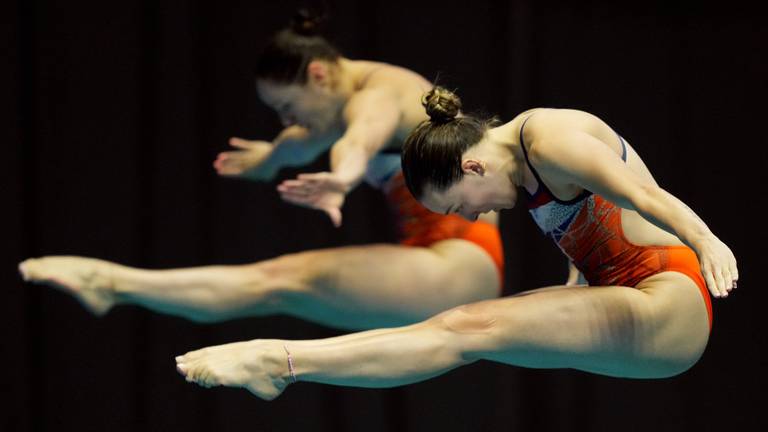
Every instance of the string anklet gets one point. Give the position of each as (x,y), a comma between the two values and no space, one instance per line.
(290,364)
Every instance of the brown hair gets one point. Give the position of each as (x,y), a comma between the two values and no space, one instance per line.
(285,58)
(432,152)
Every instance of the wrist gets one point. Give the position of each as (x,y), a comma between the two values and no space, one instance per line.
(260,175)
(344,183)
(699,241)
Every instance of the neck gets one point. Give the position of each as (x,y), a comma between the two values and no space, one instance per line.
(348,75)
(510,151)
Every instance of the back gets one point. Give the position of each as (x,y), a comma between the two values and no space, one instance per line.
(545,121)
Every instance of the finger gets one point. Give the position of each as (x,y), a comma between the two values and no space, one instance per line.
(296,194)
(314,182)
(305,191)
(711,285)
(297,190)
(296,198)
(335,215)
(231,155)
(734,273)
(311,176)
(220,163)
(227,170)
(293,183)
(284,186)
(229,173)
(298,203)
(727,280)
(720,282)
(228,163)
(303,201)
(239,143)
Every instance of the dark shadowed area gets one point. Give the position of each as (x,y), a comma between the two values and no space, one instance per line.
(114,111)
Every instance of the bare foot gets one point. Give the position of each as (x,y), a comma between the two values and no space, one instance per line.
(260,366)
(87,279)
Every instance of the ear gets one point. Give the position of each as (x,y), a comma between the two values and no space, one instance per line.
(473,167)
(318,73)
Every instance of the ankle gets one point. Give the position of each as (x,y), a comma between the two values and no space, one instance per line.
(281,363)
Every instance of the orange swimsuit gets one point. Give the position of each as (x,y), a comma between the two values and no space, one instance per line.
(418,226)
(588,230)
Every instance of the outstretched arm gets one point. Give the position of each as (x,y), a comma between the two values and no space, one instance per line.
(372,117)
(576,157)
(261,160)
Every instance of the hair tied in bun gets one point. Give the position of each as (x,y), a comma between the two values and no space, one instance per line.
(307,22)
(442,105)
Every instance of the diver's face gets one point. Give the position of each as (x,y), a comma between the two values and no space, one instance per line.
(469,197)
(309,105)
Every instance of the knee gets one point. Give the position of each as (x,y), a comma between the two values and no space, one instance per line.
(467,319)
(292,273)
(665,368)
(664,361)
(680,363)
(472,327)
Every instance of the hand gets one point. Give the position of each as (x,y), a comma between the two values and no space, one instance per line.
(718,265)
(575,277)
(322,191)
(250,154)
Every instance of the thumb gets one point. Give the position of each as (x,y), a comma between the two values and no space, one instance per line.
(239,143)
(335,215)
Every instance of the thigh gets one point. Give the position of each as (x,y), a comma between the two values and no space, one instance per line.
(389,285)
(657,331)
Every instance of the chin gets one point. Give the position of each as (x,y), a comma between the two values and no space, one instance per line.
(510,202)
(507,206)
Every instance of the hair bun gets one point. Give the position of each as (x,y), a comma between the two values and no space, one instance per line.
(442,105)
(306,22)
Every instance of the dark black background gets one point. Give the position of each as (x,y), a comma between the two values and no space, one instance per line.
(114,111)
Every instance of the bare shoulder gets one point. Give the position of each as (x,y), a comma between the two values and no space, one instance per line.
(384,84)
(549,122)
(385,75)
(546,127)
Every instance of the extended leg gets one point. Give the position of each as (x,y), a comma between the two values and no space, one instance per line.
(652,333)
(352,287)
